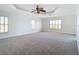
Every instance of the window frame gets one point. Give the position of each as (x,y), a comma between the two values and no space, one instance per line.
(4,24)
(52,25)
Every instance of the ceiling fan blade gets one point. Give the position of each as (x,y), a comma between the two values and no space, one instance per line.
(43,10)
(52,10)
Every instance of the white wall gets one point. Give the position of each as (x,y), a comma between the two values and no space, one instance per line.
(77,20)
(66,12)
(20,23)
(68,24)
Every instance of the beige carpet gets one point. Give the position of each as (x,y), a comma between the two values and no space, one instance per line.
(43,43)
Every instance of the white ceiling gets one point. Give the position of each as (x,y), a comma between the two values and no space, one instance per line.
(6,7)
(64,9)
(31,7)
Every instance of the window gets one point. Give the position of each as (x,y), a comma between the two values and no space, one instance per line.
(55,24)
(33,24)
(3,24)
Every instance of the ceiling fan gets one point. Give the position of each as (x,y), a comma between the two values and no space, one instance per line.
(39,9)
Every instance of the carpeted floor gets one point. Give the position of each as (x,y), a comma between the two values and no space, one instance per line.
(43,43)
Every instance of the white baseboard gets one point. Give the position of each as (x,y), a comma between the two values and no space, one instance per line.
(16,35)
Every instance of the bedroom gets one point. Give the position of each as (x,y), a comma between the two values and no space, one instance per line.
(27,31)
